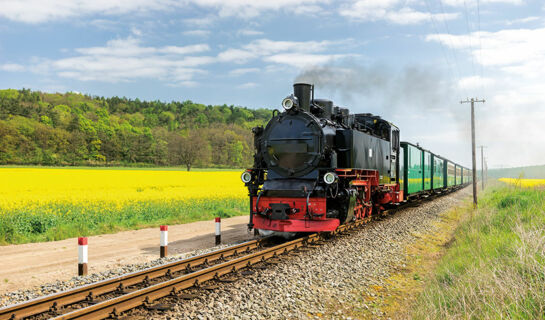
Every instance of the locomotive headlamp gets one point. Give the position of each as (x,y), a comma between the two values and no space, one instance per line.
(289,102)
(330,177)
(246,176)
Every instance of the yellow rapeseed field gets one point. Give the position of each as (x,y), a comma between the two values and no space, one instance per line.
(23,187)
(525,183)
(38,204)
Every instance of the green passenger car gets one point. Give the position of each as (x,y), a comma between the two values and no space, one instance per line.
(402,170)
(427,169)
(438,168)
(450,172)
(458,175)
(412,168)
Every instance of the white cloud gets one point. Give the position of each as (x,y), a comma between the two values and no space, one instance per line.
(309,10)
(103,24)
(123,60)
(252,8)
(137,32)
(262,48)
(39,11)
(393,11)
(516,51)
(127,59)
(463,3)
(475,82)
(512,117)
(12,67)
(302,60)
(131,47)
(247,85)
(237,55)
(522,20)
(197,33)
(241,71)
(196,48)
(202,22)
(249,32)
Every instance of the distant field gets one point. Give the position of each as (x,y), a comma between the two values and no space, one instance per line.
(525,183)
(41,204)
(533,172)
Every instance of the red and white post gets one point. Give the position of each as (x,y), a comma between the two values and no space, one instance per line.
(82,256)
(164,240)
(218,230)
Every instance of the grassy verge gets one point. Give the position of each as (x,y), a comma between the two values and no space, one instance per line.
(396,295)
(145,168)
(57,221)
(495,267)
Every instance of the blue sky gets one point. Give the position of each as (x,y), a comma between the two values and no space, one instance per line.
(410,61)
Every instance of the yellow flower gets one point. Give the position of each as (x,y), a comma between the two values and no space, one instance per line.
(525,183)
(112,188)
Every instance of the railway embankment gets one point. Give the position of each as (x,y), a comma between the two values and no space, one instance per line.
(494,267)
(351,276)
(341,279)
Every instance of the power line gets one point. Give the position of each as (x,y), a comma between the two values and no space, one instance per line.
(451,44)
(480,47)
(453,75)
(443,50)
(469,39)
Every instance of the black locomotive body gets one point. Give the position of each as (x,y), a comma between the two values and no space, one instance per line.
(317,166)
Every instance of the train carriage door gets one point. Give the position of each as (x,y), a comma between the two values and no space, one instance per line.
(415,172)
(394,155)
(402,172)
(427,170)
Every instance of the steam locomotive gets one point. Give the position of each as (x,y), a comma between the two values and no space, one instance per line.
(316,166)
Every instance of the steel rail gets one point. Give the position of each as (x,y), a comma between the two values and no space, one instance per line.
(89,292)
(146,296)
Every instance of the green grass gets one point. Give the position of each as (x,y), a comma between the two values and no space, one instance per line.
(495,268)
(46,224)
(150,168)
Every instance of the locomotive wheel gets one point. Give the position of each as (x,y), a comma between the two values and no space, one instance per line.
(362,208)
(359,209)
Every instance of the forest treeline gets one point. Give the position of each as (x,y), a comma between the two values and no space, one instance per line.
(39,128)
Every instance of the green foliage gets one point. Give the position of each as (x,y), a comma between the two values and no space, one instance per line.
(75,129)
(9,94)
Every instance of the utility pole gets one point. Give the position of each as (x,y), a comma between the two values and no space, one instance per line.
(486,169)
(482,167)
(474,162)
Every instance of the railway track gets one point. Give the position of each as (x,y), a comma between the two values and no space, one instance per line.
(110,298)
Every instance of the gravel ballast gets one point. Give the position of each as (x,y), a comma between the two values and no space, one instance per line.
(306,285)
(310,284)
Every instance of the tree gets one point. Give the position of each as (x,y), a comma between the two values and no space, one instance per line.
(71,128)
(193,149)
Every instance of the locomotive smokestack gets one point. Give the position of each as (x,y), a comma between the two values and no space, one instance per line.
(302,92)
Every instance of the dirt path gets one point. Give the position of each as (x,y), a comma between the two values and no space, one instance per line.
(27,265)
